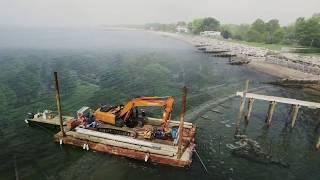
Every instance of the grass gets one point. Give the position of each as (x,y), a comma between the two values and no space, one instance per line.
(276,47)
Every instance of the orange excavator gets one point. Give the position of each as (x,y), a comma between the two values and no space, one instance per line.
(124,114)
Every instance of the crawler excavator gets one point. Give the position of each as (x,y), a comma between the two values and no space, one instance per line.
(121,115)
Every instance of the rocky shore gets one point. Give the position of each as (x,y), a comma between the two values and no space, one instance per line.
(281,64)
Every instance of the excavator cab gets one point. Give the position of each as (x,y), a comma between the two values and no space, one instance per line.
(129,114)
(110,115)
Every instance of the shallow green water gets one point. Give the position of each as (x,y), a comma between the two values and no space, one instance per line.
(111,67)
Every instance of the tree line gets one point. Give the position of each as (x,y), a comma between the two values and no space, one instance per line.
(304,31)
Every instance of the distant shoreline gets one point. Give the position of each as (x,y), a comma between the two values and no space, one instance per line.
(257,56)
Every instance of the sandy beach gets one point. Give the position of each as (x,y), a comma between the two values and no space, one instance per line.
(279,71)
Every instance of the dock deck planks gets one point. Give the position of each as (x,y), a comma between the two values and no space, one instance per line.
(312,105)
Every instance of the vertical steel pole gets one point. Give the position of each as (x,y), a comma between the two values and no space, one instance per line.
(58,102)
(183,111)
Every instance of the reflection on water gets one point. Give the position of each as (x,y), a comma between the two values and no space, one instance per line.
(111,67)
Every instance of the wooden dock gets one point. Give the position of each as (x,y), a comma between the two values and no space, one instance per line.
(312,105)
(273,101)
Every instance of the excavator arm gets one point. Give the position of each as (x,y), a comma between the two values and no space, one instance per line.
(165,102)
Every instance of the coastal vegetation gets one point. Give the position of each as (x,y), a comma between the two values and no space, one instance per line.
(304,32)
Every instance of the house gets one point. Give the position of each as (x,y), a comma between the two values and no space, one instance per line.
(210,33)
(182,29)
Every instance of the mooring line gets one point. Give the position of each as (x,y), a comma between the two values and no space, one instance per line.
(203,165)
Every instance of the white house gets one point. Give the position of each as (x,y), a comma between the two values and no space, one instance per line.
(210,33)
(182,29)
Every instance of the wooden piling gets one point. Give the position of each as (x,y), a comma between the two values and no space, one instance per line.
(318,144)
(250,105)
(270,112)
(183,111)
(58,102)
(295,114)
(242,103)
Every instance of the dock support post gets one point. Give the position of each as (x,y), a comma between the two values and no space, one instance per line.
(295,114)
(58,102)
(242,103)
(250,105)
(318,144)
(183,111)
(272,106)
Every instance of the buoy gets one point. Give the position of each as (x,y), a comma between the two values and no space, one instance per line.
(87,147)
(84,146)
(26,121)
(60,141)
(146,157)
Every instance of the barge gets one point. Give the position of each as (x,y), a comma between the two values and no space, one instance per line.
(126,130)
(156,151)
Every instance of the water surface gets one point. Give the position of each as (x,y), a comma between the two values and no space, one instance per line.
(110,67)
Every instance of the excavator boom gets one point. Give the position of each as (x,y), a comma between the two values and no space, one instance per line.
(165,102)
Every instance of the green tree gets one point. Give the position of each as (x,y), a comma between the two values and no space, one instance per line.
(205,24)
(241,32)
(308,31)
(278,35)
(259,26)
(289,35)
(197,26)
(226,34)
(211,24)
(257,31)
(253,36)
(271,27)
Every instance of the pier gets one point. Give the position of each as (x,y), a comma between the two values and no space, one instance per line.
(273,101)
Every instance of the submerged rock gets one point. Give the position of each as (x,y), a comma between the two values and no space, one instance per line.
(251,150)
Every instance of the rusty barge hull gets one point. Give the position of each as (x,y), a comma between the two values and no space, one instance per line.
(167,154)
(130,153)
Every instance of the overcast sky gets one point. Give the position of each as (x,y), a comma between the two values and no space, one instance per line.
(110,12)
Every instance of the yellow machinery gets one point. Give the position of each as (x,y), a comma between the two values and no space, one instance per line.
(118,115)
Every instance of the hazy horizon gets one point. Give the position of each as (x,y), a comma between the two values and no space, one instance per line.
(74,13)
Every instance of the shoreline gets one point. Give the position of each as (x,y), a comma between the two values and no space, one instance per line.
(274,63)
